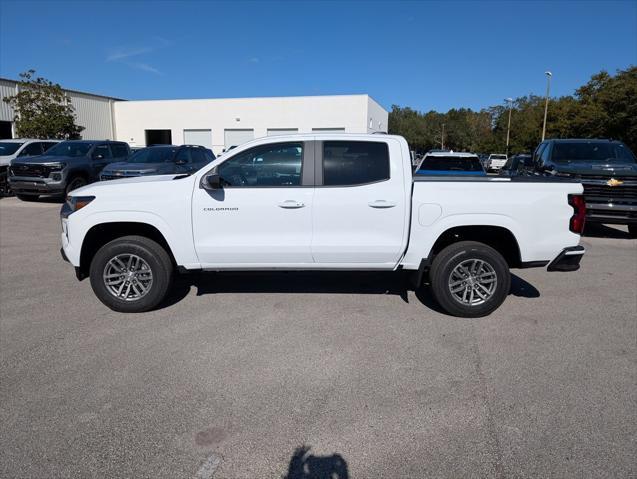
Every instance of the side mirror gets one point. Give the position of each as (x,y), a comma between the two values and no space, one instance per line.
(212,182)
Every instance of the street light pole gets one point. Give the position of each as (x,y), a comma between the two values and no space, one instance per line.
(510,101)
(546,103)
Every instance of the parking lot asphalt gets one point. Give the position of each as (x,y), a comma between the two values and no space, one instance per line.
(302,375)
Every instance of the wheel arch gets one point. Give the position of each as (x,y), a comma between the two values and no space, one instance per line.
(103,233)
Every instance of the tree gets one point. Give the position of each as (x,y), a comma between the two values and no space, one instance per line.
(42,109)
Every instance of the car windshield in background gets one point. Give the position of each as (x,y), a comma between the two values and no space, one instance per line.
(69,148)
(9,148)
(153,155)
(451,163)
(591,151)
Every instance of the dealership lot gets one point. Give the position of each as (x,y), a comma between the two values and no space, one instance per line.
(237,371)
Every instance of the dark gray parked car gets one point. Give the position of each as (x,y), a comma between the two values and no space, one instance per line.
(65,167)
(160,160)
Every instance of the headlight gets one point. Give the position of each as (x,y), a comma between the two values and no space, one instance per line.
(56,166)
(75,203)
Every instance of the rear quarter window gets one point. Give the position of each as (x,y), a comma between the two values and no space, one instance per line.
(350,163)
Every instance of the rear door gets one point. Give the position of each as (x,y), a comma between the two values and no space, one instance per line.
(360,205)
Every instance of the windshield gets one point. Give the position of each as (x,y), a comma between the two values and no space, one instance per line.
(9,148)
(69,148)
(451,163)
(591,151)
(152,155)
(498,157)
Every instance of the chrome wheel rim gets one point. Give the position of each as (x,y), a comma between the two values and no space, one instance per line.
(127,277)
(473,282)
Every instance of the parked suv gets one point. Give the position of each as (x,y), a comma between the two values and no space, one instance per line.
(160,160)
(65,167)
(18,148)
(606,168)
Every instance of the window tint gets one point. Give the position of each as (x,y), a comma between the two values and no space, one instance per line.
(451,163)
(48,144)
(70,148)
(268,165)
(101,150)
(590,151)
(32,149)
(544,156)
(538,152)
(183,155)
(119,150)
(198,155)
(354,162)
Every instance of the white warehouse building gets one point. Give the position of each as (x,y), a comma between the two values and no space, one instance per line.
(215,123)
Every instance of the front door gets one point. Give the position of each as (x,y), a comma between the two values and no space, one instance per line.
(100,157)
(360,209)
(262,217)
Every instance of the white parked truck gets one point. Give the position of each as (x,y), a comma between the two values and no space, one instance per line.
(321,202)
(496,162)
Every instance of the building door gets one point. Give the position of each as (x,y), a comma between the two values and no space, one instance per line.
(5,130)
(159,137)
(198,137)
(282,131)
(237,137)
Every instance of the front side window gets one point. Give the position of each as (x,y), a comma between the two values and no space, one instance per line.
(277,164)
(198,155)
(348,163)
(183,156)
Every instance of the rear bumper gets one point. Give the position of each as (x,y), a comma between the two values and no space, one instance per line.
(611,213)
(568,259)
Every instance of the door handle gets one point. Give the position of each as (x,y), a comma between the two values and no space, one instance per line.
(291,204)
(382,204)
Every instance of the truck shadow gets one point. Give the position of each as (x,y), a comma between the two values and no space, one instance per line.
(597,230)
(310,282)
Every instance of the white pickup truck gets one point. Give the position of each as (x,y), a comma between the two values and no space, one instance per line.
(321,202)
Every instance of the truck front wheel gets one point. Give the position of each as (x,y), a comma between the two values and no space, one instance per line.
(469,279)
(131,274)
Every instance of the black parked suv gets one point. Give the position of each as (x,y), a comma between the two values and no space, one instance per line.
(65,167)
(160,160)
(606,168)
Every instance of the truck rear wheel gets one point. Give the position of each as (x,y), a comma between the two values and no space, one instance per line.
(469,279)
(131,274)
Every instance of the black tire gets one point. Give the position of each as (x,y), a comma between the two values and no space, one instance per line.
(452,256)
(632,231)
(74,183)
(28,197)
(155,257)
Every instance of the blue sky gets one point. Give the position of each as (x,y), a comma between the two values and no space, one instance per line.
(426,55)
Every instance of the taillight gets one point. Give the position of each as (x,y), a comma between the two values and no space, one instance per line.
(579,216)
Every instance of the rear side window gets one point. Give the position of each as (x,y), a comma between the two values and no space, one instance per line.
(119,150)
(348,163)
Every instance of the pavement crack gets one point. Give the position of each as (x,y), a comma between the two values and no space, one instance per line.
(492,433)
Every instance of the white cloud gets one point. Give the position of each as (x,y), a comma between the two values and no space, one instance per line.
(145,67)
(127,53)
(254,60)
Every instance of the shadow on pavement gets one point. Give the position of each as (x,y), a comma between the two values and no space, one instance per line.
(309,282)
(598,230)
(304,465)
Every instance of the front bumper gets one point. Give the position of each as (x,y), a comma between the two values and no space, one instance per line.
(568,259)
(25,185)
(611,213)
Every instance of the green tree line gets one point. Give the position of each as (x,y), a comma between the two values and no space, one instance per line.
(605,107)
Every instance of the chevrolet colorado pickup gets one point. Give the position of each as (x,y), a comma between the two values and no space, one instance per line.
(321,202)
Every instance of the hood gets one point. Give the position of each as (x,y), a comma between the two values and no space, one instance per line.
(95,188)
(597,168)
(127,169)
(43,159)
